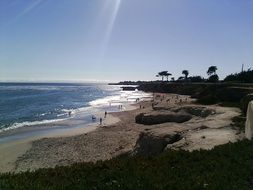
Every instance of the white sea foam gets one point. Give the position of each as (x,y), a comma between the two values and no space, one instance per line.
(30,123)
(75,111)
(105,101)
(122,98)
(62,114)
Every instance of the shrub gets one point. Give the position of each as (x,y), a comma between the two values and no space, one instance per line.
(213,78)
(196,79)
(245,76)
(225,167)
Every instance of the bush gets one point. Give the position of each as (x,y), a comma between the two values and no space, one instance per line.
(196,79)
(213,78)
(225,167)
(245,76)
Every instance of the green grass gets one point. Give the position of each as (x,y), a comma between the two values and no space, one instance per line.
(228,166)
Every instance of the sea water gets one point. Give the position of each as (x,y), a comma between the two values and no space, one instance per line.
(27,104)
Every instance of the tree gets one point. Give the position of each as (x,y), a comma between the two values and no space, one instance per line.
(186,73)
(196,79)
(212,73)
(212,70)
(213,78)
(167,75)
(180,78)
(164,74)
(245,77)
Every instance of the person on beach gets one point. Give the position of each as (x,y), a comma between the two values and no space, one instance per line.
(93,118)
(101,120)
(105,114)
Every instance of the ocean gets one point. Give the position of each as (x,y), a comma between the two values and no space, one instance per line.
(28,104)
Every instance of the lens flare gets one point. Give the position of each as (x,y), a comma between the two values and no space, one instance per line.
(113,6)
(113,18)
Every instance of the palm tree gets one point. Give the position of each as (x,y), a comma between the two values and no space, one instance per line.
(212,70)
(160,75)
(163,74)
(167,75)
(186,73)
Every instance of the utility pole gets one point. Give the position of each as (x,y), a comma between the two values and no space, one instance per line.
(242,68)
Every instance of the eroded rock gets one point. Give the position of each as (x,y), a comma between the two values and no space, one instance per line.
(153,118)
(150,143)
(196,111)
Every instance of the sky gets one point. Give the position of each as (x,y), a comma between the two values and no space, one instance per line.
(116,40)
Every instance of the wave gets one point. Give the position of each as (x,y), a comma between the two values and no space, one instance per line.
(46,121)
(76,110)
(119,98)
(30,123)
(122,98)
(109,100)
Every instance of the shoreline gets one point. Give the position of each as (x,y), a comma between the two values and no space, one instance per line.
(122,136)
(16,142)
(108,102)
(15,147)
(76,122)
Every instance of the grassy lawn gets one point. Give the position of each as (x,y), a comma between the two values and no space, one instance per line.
(228,166)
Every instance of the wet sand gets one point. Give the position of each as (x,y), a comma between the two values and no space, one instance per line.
(15,143)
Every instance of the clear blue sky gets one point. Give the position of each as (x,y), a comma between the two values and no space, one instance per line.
(114,40)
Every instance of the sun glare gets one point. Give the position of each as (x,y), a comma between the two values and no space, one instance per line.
(113,6)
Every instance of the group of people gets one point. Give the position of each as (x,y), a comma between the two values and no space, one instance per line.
(93,117)
(100,119)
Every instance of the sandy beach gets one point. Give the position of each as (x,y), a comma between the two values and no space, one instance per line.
(207,127)
(19,141)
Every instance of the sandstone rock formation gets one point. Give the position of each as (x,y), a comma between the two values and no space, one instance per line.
(159,118)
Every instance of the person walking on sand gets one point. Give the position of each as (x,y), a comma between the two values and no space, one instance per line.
(100,120)
(105,114)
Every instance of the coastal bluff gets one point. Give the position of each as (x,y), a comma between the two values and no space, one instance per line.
(205,127)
